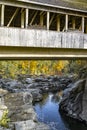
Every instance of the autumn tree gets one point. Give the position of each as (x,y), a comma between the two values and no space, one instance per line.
(37,67)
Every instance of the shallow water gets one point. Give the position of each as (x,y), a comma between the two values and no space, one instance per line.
(47,112)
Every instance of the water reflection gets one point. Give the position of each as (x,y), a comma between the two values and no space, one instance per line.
(47,112)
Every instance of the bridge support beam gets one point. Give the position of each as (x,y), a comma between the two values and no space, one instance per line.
(51,20)
(73,23)
(22,18)
(41,53)
(58,23)
(66,22)
(26,17)
(48,19)
(41,19)
(86,25)
(2,14)
(83,23)
(13,16)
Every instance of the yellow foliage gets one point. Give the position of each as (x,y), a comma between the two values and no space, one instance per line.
(47,67)
(33,66)
(4,121)
(78,62)
(59,65)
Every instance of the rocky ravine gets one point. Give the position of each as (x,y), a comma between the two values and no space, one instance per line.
(74,100)
(17,96)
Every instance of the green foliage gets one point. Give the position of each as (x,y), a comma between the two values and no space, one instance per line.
(75,65)
(4,121)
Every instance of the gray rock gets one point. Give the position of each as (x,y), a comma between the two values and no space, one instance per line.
(20,106)
(41,126)
(25,125)
(11,85)
(29,80)
(1,128)
(30,125)
(3,92)
(83,72)
(83,115)
(71,102)
(36,93)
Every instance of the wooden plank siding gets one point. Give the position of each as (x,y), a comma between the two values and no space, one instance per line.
(40,38)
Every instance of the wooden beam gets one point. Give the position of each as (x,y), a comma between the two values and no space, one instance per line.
(22,18)
(48,19)
(73,23)
(13,16)
(33,18)
(41,20)
(51,19)
(58,23)
(12,53)
(83,24)
(2,14)
(86,25)
(41,13)
(66,22)
(26,17)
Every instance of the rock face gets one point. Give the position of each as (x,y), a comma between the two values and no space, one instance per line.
(71,103)
(83,114)
(74,100)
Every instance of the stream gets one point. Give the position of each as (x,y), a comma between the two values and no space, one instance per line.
(47,112)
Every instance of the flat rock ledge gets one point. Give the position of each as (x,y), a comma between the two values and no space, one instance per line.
(20,111)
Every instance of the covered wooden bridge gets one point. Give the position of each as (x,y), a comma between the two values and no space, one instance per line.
(43,29)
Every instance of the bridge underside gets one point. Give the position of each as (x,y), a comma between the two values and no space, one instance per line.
(23,53)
